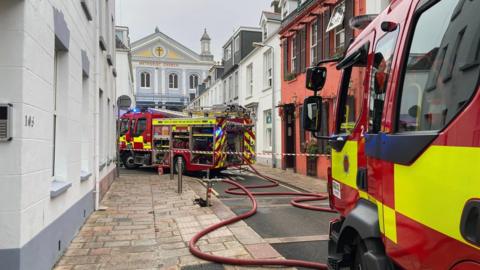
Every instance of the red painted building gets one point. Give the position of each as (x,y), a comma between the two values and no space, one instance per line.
(309,35)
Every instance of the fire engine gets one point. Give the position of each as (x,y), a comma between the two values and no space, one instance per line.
(406,144)
(136,133)
(222,137)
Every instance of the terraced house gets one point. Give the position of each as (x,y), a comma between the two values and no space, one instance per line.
(57,145)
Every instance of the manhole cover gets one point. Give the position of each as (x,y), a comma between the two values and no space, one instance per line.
(208,266)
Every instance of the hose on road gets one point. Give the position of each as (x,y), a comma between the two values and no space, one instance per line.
(238,189)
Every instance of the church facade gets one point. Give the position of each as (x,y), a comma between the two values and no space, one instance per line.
(167,73)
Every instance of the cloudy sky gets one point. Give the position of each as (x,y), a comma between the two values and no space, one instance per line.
(184,20)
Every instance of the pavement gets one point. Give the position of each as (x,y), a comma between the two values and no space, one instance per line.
(145,224)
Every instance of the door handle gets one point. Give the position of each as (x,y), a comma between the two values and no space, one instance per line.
(470,224)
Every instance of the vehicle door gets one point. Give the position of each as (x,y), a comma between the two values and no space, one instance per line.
(423,139)
(350,122)
(139,133)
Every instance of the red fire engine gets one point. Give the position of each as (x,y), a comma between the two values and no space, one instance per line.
(223,137)
(406,145)
(136,133)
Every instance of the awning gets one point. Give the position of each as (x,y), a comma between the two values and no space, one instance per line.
(337,16)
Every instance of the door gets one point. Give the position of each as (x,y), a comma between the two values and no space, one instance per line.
(289,121)
(423,140)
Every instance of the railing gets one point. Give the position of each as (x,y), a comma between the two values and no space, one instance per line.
(159,98)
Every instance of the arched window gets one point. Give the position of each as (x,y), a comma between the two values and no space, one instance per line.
(173,81)
(145,79)
(193,81)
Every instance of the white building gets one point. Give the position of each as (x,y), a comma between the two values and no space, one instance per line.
(124,81)
(260,77)
(57,72)
(167,73)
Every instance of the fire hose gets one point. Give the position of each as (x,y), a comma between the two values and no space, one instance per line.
(244,190)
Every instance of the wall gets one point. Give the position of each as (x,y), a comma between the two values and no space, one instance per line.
(36,227)
(262,95)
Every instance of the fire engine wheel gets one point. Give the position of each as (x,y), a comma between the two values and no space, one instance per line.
(129,162)
(175,166)
(358,261)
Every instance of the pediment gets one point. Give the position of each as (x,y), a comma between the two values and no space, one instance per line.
(160,48)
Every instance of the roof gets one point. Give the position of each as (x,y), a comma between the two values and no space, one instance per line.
(172,41)
(205,36)
(272,16)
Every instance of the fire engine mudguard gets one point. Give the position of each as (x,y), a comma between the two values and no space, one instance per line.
(360,228)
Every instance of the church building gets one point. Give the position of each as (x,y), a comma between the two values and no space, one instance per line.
(167,73)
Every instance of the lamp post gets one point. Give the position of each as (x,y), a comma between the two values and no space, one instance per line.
(274,145)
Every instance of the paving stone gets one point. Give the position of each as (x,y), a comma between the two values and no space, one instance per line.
(117,244)
(262,251)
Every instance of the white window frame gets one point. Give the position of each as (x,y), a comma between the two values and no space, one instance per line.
(293,56)
(267,69)
(236,85)
(145,80)
(250,80)
(268,140)
(193,81)
(237,43)
(338,31)
(313,43)
(173,84)
(227,53)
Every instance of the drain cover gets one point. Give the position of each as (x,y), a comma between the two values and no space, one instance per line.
(208,266)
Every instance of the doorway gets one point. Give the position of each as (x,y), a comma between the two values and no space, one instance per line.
(289,122)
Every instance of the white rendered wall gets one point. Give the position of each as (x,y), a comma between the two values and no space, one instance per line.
(27,75)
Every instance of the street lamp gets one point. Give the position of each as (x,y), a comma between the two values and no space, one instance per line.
(274,145)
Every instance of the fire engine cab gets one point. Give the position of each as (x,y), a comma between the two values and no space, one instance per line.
(405,174)
(135,135)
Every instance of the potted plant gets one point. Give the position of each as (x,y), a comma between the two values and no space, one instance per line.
(312,149)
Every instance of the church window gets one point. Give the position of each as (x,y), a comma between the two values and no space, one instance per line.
(193,81)
(145,80)
(173,81)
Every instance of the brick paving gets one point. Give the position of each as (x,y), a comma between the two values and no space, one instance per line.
(147,225)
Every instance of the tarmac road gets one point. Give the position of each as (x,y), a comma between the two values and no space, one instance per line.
(295,233)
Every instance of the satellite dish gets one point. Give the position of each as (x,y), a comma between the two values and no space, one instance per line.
(124,102)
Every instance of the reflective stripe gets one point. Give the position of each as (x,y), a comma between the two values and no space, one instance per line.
(433,191)
(349,152)
(200,121)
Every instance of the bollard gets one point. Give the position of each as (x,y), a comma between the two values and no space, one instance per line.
(209,193)
(171,165)
(180,175)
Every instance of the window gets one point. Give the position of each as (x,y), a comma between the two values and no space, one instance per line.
(351,95)
(193,81)
(313,43)
(339,40)
(237,43)
(235,93)
(267,69)
(124,123)
(230,88)
(267,116)
(227,52)
(250,80)
(55,99)
(173,81)
(145,80)
(225,92)
(439,77)
(293,53)
(382,63)
(141,127)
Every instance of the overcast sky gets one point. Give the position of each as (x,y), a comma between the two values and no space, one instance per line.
(184,20)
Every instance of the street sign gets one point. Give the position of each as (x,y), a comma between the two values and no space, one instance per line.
(124,102)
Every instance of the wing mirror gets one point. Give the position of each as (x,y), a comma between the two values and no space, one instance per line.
(312,113)
(316,77)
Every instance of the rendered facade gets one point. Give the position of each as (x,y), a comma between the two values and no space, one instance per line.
(57,70)
(124,68)
(166,73)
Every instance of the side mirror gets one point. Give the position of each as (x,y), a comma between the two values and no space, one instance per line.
(312,113)
(316,77)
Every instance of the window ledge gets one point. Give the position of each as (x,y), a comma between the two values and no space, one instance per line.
(57,188)
(101,166)
(249,97)
(267,88)
(84,176)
